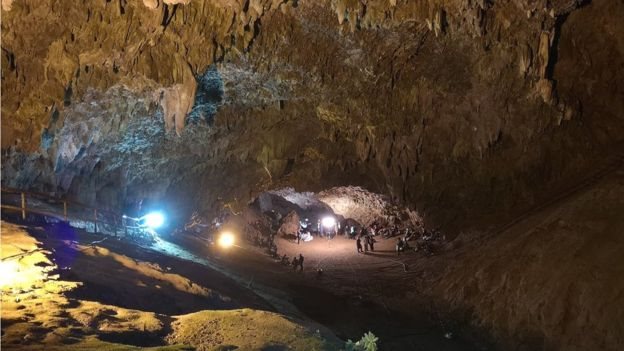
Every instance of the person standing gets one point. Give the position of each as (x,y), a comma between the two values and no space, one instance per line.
(366,243)
(298,236)
(359,245)
(301,262)
(399,246)
(271,241)
(371,243)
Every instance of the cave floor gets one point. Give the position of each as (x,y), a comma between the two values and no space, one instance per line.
(374,292)
(355,293)
(115,278)
(569,243)
(111,294)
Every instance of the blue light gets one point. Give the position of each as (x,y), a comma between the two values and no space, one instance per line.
(154,220)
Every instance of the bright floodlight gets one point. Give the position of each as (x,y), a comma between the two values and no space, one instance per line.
(328,222)
(9,273)
(226,240)
(154,219)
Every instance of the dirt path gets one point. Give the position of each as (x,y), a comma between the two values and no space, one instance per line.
(349,297)
(356,293)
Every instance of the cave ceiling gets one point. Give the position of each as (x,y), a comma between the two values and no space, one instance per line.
(439,103)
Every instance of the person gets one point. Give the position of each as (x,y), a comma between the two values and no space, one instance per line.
(271,240)
(371,243)
(272,249)
(399,246)
(408,234)
(363,232)
(295,263)
(298,236)
(366,242)
(359,245)
(301,262)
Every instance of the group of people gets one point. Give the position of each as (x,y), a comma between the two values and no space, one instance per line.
(365,241)
(369,242)
(297,262)
(402,245)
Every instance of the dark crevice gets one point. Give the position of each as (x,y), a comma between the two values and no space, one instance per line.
(167,17)
(10,57)
(122,4)
(256,31)
(290,164)
(553,57)
(554,48)
(68,95)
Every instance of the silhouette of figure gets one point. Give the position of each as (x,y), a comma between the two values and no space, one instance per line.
(399,246)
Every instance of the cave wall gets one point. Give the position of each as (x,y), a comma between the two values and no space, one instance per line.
(458,108)
(552,282)
(469,111)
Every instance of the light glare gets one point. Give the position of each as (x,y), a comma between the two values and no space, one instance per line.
(328,222)
(154,219)
(226,240)
(14,274)
(9,273)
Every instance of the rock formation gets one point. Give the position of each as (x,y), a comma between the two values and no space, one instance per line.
(423,101)
(461,109)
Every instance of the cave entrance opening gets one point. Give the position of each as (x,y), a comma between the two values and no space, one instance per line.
(327,226)
(352,210)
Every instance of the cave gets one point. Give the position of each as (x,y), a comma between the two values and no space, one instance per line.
(312,175)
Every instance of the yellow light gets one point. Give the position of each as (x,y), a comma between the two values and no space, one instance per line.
(226,240)
(9,273)
(23,273)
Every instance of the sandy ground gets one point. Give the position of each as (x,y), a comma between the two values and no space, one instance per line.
(116,296)
(353,295)
(534,285)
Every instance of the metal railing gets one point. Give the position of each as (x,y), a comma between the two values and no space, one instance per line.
(100,221)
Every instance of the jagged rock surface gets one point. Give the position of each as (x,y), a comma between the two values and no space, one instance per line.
(465,110)
(423,101)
